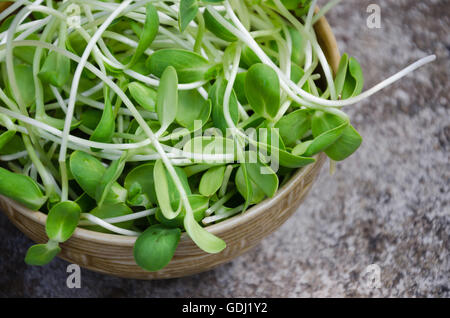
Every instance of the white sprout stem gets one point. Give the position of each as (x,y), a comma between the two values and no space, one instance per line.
(312,7)
(226,180)
(111,60)
(155,82)
(223,215)
(93,89)
(13,7)
(86,144)
(109,226)
(394,78)
(213,208)
(124,218)
(102,44)
(112,155)
(229,89)
(125,40)
(203,92)
(47,177)
(314,101)
(14,156)
(47,10)
(98,105)
(311,39)
(266,60)
(9,55)
(309,53)
(324,10)
(242,112)
(289,51)
(59,98)
(29,28)
(74,139)
(242,33)
(40,109)
(73,93)
(346,102)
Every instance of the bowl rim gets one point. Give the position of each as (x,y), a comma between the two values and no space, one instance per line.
(326,36)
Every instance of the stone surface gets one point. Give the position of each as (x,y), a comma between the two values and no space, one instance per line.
(387,205)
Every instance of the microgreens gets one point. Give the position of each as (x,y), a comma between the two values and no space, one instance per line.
(149,118)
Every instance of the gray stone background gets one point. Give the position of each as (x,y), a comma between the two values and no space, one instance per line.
(386,205)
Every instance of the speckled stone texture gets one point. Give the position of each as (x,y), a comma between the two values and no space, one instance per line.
(387,205)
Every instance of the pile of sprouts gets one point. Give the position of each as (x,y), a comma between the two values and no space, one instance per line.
(149,118)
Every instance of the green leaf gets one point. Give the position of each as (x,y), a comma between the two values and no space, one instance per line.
(285,158)
(62,221)
(14,145)
(42,254)
(148,34)
(188,11)
(249,190)
(56,70)
(155,247)
(301,6)
(199,205)
(140,185)
(87,171)
(25,82)
(346,144)
(15,185)
(293,4)
(262,88)
(349,80)
(143,95)
(192,107)
(191,67)
(163,191)
(341,74)
(201,237)
(296,75)
(262,175)
(6,23)
(10,132)
(294,126)
(85,202)
(211,181)
(216,95)
(6,137)
(249,58)
(301,148)
(216,27)
(112,173)
(323,137)
(91,117)
(167,100)
(239,88)
(107,125)
(298,46)
(290,160)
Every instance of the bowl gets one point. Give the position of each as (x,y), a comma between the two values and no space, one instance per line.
(113,254)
